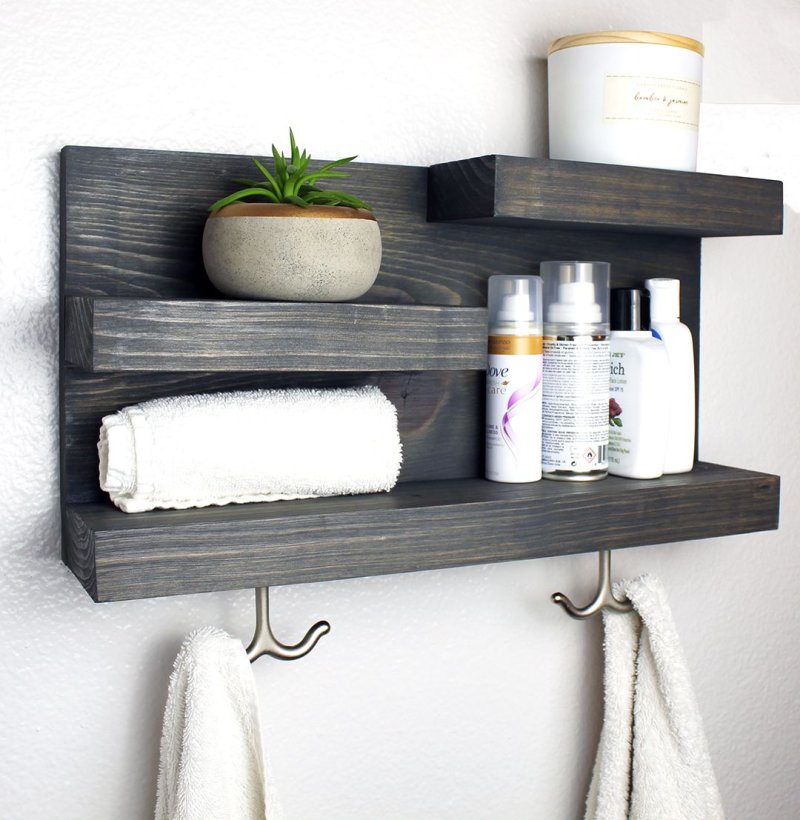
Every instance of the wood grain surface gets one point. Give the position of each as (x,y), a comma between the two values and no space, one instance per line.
(417,526)
(132,225)
(440,415)
(543,192)
(140,320)
(119,334)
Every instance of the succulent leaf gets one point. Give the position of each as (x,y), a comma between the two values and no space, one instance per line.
(236,196)
(268,176)
(293,181)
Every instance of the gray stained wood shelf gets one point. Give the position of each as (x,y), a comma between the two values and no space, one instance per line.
(420,525)
(555,193)
(140,320)
(107,334)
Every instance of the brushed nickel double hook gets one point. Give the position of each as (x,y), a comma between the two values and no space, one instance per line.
(604,599)
(265,643)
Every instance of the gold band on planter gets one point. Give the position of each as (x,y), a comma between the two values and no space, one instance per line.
(284,209)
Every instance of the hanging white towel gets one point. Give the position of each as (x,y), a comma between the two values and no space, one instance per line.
(256,445)
(652,762)
(211,759)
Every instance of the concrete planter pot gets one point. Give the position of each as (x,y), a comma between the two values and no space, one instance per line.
(322,253)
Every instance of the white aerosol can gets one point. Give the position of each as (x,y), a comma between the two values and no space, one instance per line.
(514,380)
(576,367)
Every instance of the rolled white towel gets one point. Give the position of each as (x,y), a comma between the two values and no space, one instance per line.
(258,445)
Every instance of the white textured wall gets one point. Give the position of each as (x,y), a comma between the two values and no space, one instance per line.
(455,695)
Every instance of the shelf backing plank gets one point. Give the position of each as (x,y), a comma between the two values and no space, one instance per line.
(108,334)
(439,415)
(131,229)
(132,225)
(418,526)
(508,191)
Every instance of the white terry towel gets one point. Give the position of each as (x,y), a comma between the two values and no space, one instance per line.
(652,762)
(257,445)
(211,759)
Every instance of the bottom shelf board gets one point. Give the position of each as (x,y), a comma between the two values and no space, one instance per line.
(418,526)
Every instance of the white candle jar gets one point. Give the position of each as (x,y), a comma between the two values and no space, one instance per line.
(626,98)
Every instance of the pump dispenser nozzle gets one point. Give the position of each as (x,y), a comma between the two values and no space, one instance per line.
(576,292)
(515,303)
(515,299)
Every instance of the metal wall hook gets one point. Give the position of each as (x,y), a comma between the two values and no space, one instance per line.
(265,643)
(603,600)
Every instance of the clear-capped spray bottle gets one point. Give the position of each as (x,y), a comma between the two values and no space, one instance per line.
(576,365)
(514,379)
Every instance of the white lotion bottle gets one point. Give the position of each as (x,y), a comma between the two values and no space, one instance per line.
(575,375)
(638,404)
(665,311)
(514,380)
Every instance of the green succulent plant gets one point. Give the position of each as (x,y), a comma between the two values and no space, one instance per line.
(294,182)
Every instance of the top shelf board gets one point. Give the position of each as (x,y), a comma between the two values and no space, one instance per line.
(516,191)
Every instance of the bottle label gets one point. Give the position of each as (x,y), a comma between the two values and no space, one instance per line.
(575,405)
(515,345)
(639,401)
(514,410)
(620,423)
(666,100)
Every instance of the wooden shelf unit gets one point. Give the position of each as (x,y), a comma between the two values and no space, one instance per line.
(140,320)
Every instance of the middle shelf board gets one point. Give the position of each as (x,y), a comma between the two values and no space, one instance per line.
(110,334)
(420,525)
